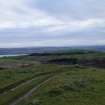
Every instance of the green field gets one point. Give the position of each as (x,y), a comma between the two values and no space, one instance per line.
(33,80)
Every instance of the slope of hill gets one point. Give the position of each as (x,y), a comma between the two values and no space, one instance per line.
(46,79)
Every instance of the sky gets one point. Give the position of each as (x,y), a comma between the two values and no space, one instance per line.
(29,23)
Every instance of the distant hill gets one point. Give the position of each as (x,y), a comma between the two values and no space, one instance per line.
(19,51)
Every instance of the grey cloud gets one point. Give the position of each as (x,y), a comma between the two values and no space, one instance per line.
(71,9)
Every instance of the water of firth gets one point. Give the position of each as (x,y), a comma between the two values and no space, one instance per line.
(22,51)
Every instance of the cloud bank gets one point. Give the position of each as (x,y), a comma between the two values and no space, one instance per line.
(25,23)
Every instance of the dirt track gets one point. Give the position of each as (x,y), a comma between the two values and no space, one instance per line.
(31,91)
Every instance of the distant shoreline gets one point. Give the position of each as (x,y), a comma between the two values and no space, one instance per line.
(10,52)
(11,55)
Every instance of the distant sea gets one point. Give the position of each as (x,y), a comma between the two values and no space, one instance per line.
(24,51)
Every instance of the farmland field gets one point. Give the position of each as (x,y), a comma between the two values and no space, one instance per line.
(76,78)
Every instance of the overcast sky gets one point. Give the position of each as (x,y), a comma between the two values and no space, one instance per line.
(25,23)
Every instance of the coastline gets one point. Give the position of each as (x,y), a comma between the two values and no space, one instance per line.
(12,55)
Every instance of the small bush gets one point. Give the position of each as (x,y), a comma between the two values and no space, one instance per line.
(55,92)
(79,66)
(76,85)
(2,68)
(71,87)
(81,83)
(35,102)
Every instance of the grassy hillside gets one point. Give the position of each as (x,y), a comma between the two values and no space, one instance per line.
(35,80)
